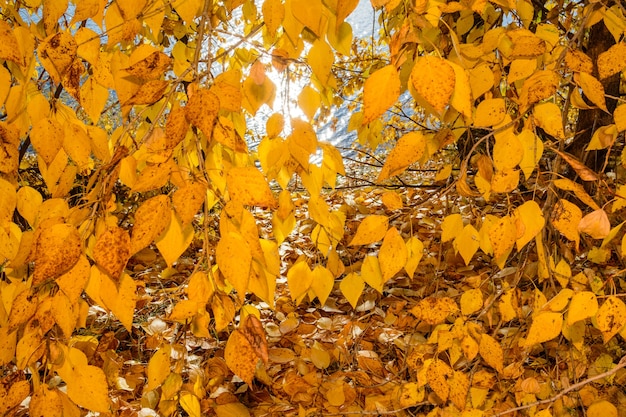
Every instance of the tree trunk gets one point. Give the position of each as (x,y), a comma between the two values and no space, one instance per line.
(600,40)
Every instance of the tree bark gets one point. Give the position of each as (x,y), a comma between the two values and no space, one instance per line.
(600,40)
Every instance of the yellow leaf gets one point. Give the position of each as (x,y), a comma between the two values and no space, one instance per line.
(569,185)
(258,94)
(451,227)
(372,229)
(47,138)
(190,403)
(502,235)
(577,60)
(125,301)
(596,224)
(352,286)
(57,53)
(232,410)
(322,284)
(603,137)
(65,313)
(299,279)
(240,356)
(548,117)
(540,85)
(274,125)
(507,305)
(202,109)
(223,310)
(8,341)
(481,79)
(507,152)
(9,47)
(611,317)
(602,408)
(393,254)
(46,402)
(529,221)
(321,59)
(437,376)
(9,145)
(309,13)
(461,99)
(248,186)
(545,326)
(490,112)
(148,93)
(57,249)
(467,243)
(174,240)
(176,127)
(93,98)
(491,351)
(415,251)
(23,308)
(309,101)
(151,67)
(520,69)
(319,356)
(184,310)
(533,149)
(565,218)
(151,219)
(619,115)
(371,273)
(158,367)
(381,90)
(226,134)
(434,310)
(469,347)
(302,141)
(188,200)
(392,200)
(592,88)
(13,395)
(234,259)
(583,305)
(86,384)
(408,149)
(459,388)
(471,301)
(188,10)
(612,60)
(9,201)
(112,251)
(273,14)
(433,80)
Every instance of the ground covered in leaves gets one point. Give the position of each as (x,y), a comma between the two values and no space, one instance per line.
(448,340)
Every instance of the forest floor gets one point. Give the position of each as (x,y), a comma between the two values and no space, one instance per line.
(336,360)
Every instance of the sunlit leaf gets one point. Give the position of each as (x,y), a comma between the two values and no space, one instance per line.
(240,357)
(565,218)
(372,229)
(408,149)
(611,317)
(433,80)
(393,254)
(545,326)
(381,90)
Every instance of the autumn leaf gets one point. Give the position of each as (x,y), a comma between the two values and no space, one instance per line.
(240,356)
(371,229)
(57,249)
(433,79)
(408,149)
(381,90)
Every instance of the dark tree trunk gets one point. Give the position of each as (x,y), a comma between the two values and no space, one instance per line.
(600,40)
